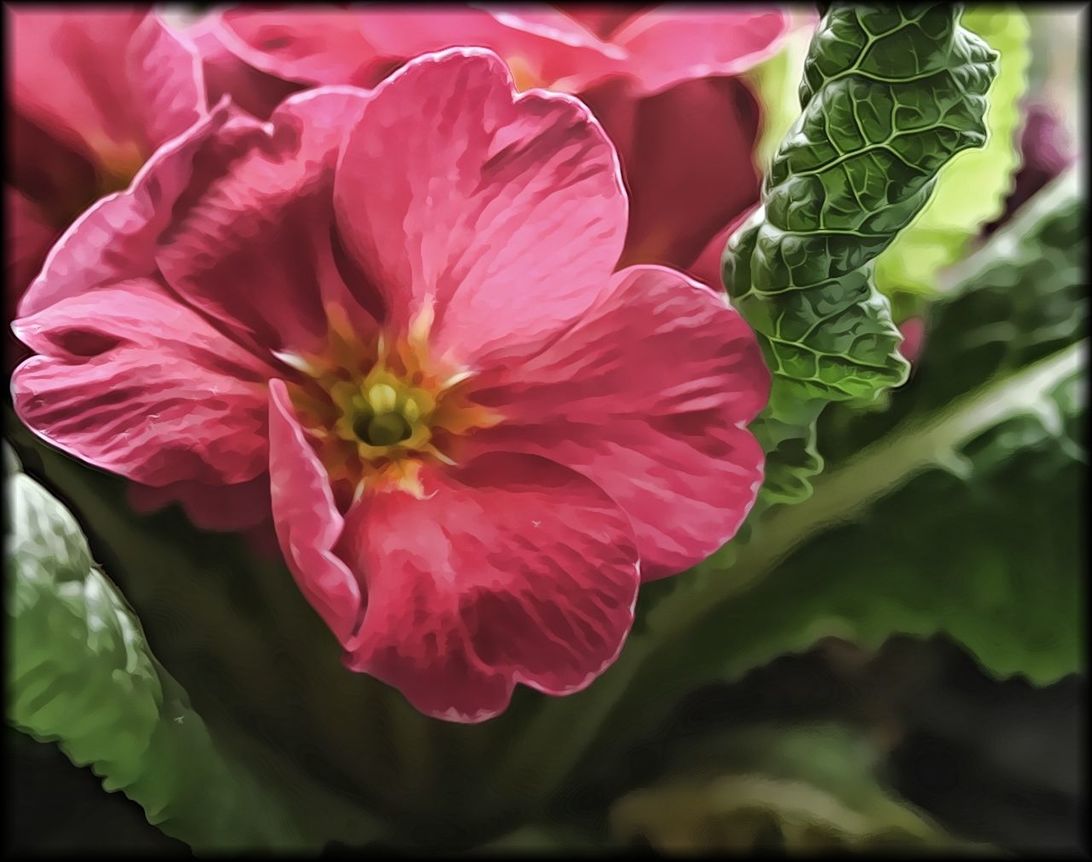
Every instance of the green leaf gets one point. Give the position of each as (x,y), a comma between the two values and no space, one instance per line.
(972,188)
(889,97)
(788,789)
(354,759)
(983,543)
(79,667)
(80,673)
(982,548)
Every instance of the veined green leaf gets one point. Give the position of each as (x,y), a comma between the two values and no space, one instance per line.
(81,674)
(972,187)
(988,421)
(889,96)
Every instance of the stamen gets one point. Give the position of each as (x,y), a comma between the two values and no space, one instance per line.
(382,397)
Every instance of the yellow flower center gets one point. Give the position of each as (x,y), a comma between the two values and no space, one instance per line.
(380,409)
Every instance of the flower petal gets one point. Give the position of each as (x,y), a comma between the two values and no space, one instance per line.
(166,84)
(363,46)
(252,246)
(511,569)
(687,158)
(648,396)
(54,172)
(706,267)
(602,20)
(671,44)
(135,383)
(452,191)
(307,521)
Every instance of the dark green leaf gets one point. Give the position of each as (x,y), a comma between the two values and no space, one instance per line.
(889,96)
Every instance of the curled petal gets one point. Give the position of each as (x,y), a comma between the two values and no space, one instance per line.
(307,521)
(227,75)
(132,382)
(251,243)
(362,46)
(116,239)
(314,45)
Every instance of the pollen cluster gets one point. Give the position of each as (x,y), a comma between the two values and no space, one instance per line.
(379,408)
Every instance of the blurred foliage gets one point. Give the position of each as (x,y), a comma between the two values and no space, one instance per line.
(889,97)
(793,789)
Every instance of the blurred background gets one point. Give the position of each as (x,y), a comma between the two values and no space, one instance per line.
(996,762)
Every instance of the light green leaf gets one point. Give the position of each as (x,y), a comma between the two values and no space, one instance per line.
(80,673)
(972,188)
(786,789)
(889,97)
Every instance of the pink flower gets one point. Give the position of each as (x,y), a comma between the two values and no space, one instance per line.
(662,81)
(397,310)
(93,94)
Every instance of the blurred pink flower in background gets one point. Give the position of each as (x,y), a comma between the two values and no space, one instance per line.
(398,313)
(92,94)
(663,81)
